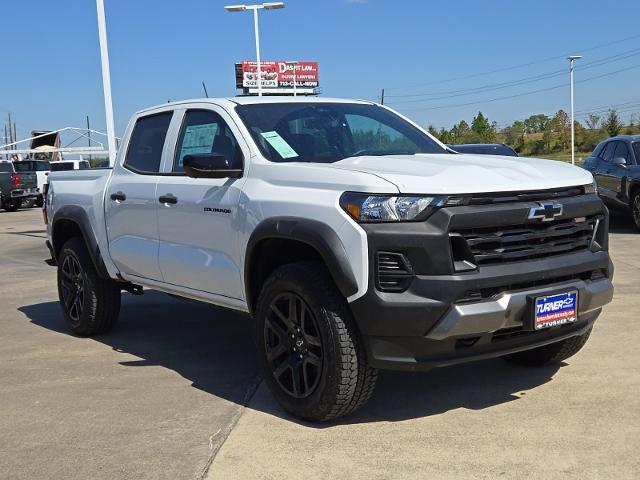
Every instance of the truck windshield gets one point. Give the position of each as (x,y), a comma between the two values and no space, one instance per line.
(330,132)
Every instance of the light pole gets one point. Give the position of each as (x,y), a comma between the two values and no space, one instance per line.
(255,8)
(106,82)
(294,64)
(572,58)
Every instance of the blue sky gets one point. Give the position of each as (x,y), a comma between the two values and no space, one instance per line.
(162,50)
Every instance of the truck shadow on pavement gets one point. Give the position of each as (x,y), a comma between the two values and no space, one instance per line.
(213,348)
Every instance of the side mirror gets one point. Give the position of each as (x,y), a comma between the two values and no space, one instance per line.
(209,165)
(619,162)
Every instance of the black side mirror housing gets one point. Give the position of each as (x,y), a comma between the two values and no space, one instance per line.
(209,165)
(619,162)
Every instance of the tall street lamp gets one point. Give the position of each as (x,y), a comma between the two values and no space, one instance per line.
(106,82)
(572,58)
(255,8)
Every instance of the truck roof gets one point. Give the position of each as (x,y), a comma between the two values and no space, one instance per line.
(252,99)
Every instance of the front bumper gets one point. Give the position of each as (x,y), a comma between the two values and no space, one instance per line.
(446,317)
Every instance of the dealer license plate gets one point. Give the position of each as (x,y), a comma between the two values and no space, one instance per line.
(555,310)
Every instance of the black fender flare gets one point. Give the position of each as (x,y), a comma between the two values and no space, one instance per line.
(317,235)
(79,217)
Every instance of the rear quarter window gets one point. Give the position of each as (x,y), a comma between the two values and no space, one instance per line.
(147,141)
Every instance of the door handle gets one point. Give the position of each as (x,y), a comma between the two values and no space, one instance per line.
(118,197)
(168,198)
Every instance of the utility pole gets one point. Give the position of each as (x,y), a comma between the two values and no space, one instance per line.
(572,58)
(11,139)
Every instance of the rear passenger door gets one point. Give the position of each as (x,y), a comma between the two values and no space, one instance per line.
(131,200)
(198,218)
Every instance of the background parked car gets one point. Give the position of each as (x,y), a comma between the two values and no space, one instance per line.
(69,165)
(485,149)
(615,164)
(15,187)
(41,168)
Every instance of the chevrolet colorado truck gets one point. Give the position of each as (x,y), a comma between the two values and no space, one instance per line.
(356,241)
(15,187)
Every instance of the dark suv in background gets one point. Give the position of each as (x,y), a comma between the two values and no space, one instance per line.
(615,164)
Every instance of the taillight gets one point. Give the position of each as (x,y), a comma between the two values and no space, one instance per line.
(16,180)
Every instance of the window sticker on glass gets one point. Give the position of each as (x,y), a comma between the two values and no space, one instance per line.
(197,139)
(279,144)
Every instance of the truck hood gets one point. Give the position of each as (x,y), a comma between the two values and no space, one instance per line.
(462,173)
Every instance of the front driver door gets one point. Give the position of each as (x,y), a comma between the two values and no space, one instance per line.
(198,219)
(132,225)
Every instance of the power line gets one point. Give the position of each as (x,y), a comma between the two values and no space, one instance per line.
(438,107)
(514,67)
(513,83)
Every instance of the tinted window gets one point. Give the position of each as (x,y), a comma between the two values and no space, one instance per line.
(622,151)
(204,131)
(6,167)
(60,166)
(147,140)
(330,132)
(636,151)
(84,165)
(607,153)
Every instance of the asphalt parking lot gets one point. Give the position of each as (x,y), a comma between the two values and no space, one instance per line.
(174,393)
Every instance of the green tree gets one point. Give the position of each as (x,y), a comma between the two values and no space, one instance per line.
(612,123)
(561,125)
(537,123)
(483,129)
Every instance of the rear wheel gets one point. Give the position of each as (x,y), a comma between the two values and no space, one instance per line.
(552,353)
(90,304)
(39,201)
(28,202)
(635,208)
(313,359)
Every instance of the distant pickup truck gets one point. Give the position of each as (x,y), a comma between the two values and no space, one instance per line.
(16,187)
(356,240)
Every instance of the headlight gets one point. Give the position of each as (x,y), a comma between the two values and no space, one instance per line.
(591,188)
(363,207)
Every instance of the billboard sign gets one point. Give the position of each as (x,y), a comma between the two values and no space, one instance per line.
(278,77)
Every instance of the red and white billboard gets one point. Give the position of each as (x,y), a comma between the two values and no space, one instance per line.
(278,75)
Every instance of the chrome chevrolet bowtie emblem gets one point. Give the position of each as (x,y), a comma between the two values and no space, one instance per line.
(545,211)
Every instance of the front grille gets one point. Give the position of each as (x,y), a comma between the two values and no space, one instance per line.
(394,273)
(494,245)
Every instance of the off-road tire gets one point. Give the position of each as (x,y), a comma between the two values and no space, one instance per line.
(635,208)
(39,201)
(94,311)
(346,382)
(549,354)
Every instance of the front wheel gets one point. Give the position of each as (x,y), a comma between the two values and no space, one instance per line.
(552,353)
(90,304)
(313,358)
(11,205)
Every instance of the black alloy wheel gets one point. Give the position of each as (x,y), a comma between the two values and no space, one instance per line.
(293,345)
(73,288)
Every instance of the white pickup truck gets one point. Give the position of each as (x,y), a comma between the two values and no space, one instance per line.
(355,239)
